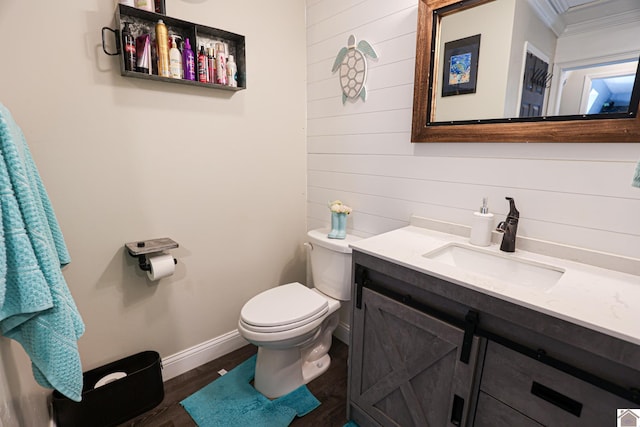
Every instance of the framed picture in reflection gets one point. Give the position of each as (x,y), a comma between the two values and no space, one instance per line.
(460,66)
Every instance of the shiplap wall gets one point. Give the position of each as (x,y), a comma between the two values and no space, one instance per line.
(576,194)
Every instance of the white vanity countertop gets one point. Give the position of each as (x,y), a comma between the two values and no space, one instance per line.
(604,300)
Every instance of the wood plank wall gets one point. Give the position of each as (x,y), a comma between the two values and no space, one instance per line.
(360,152)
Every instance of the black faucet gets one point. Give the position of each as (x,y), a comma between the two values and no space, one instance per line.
(509,227)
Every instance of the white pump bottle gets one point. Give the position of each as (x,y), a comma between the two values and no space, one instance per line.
(175,60)
(482,226)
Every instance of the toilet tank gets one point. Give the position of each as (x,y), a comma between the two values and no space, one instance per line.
(331,264)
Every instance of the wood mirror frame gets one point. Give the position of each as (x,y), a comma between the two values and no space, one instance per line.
(556,129)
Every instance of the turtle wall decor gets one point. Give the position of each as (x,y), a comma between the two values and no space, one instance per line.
(352,64)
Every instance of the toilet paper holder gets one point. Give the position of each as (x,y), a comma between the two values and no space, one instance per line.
(142,248)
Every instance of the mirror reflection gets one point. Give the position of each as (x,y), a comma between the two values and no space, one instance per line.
(535,58)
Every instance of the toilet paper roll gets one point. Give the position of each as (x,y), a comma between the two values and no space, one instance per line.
(161,266)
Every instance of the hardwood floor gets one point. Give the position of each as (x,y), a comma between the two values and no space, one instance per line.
(330,389)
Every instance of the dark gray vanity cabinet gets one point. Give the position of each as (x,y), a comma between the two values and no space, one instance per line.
(406,367)
(430,353)
(529,389)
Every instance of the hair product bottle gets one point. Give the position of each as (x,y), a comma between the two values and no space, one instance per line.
(221,65)
(203,66)
(188,61)
(145,5)
(175,60)
(232,72)
(211,59)
(128,48)
(143,54)
(162,48)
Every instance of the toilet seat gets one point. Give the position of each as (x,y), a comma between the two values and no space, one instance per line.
(283,308)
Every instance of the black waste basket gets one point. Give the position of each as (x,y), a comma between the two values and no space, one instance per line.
(117,401)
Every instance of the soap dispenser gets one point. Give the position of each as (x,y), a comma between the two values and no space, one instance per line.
(482,226)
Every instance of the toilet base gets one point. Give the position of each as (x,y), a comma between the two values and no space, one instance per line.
(280,371)
(312,370)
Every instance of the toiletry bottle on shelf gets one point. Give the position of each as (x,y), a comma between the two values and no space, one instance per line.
(148,5)
(221,65)
(153,69)
(232,72)
(482,226)
(128,48)
(203,66)
(175,60)
(143,54)
(211,60)
(188,61)
(162,48)
(180,45)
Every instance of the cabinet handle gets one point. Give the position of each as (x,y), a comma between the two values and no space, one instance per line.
(361,280)
(560,400)
(456,410)
(470,325)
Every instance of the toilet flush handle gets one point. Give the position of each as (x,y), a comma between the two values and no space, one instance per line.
(309,245)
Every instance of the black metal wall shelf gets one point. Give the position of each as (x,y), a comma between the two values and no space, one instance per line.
(142,21)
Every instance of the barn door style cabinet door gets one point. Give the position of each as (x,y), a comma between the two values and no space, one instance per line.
(409,368)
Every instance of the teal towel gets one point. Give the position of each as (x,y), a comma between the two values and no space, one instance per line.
(36,307)
(636,176)
(231,401)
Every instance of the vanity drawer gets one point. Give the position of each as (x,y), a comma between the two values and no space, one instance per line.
(545,394)
(493,413)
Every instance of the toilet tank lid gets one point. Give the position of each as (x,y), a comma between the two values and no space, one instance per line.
(319,237)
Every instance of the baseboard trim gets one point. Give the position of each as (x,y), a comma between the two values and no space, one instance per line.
(202,353)
(186,360)
(342,332)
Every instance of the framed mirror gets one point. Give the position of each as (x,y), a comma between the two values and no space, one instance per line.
(527,71)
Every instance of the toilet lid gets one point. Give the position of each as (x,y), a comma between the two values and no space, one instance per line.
(282,306)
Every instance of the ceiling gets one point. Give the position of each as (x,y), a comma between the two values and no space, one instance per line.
(573,16)
(573,3)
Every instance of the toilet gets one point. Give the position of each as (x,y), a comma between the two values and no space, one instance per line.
(292,324)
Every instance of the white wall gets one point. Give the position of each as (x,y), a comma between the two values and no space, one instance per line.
(606,44)
(576,194)
(576,85)
(123,159)
(529,33)
(488,102)
(507,27)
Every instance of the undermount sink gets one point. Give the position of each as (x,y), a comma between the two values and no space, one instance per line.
(503,267)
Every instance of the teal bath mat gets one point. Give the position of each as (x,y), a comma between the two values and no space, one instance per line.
(231,401)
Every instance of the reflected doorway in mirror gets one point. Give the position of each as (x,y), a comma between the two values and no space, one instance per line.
(534,86)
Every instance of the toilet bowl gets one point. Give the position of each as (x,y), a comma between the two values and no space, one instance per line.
(292,324)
